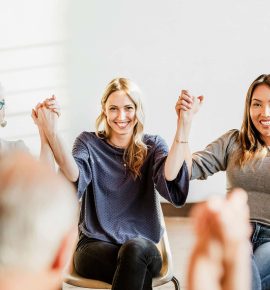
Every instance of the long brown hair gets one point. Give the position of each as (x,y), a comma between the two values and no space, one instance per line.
(136,151)
(251,143)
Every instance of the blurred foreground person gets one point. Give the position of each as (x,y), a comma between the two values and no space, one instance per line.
(220,259)
(38,221)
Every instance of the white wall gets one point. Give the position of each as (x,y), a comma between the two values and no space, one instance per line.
(32,63)
(215,48)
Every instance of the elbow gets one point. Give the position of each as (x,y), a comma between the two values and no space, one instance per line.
(169,177)
(73,178)
(168,173)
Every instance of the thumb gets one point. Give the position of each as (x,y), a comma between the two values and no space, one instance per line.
(34,114)
(200,99)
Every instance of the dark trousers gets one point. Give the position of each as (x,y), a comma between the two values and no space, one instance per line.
(130,266)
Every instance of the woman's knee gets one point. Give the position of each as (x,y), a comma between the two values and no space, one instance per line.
(141,253)
(138,249)
(262,258)
(256,278)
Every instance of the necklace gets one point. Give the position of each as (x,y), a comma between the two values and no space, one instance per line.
(117,146)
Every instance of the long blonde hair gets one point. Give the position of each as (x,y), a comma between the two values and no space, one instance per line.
(136,151)
(252,146)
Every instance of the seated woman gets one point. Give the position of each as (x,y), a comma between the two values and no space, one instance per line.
(245,155)
(119,171)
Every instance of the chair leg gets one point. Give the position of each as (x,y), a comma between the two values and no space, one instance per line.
(176,283)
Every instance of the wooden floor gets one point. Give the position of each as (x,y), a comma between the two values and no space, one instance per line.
(181,241)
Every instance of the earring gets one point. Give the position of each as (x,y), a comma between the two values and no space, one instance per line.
(3,123)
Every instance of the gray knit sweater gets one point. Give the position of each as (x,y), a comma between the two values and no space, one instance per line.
(221,155)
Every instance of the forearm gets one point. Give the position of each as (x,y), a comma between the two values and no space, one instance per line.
(179,152)
(63,157)
(46,154)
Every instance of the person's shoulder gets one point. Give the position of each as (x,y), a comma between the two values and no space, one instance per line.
(90,139)
(230,140)
(87,136)
(231,135)
(20,144)
(153,140)
(8,145)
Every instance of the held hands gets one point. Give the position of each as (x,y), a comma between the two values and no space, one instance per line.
(46,114)
(187,105)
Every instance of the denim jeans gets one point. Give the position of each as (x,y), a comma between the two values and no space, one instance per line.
(261,256)
(130,266)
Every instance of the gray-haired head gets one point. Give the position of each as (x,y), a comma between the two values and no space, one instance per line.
(37,210)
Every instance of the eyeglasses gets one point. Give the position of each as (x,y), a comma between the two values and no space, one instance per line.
(2,104)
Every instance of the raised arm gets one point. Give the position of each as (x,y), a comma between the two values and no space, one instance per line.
(46,154)
(48,120)
(186,106)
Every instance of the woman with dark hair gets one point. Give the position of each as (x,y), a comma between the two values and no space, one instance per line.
(245,156)
(119,171)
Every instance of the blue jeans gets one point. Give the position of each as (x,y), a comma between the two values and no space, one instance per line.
(129,266)
(261,256)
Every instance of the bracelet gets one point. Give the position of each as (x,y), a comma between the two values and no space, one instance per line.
(179,141)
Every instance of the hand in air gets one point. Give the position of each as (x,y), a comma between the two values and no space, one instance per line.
(46,114)
(188,105)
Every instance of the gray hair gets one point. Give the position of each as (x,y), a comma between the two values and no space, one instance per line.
(37,210)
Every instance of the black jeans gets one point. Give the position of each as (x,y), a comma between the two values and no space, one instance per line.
(130,266)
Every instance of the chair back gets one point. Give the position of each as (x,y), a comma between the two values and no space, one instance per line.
(166,272)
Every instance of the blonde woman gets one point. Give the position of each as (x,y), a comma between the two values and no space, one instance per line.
(245,155)
(119,171)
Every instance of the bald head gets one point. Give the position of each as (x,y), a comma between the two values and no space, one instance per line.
(37,210)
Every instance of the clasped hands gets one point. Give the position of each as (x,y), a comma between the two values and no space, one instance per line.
(46,114)
(187,105)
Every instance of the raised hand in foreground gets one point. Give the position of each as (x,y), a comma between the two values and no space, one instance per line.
(221,257)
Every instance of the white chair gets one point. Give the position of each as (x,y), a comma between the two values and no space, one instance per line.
(165,275)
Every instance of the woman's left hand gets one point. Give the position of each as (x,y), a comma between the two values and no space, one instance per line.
(187,105)
(52,104)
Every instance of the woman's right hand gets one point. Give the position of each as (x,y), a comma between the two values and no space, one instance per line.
(187,105)
(46,114)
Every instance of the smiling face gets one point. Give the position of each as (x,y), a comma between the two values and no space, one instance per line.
(120,114)
(260,111)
